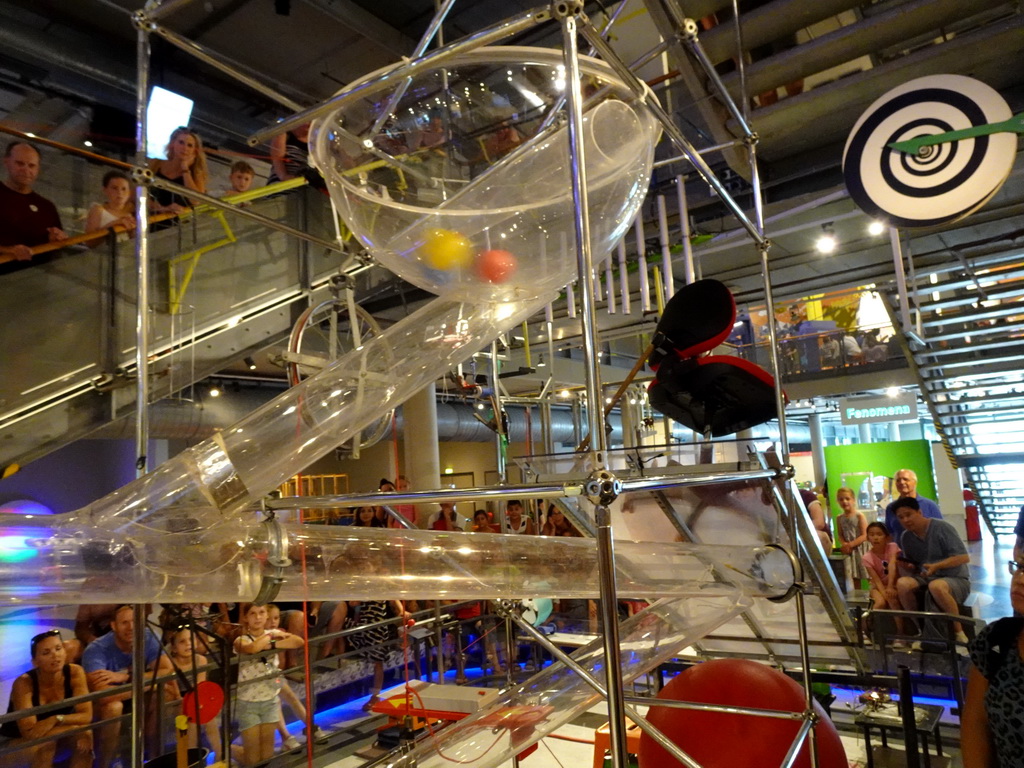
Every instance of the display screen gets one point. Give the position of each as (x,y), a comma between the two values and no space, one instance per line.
(167,110)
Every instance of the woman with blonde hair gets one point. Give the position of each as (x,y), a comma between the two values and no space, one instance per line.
(185,165)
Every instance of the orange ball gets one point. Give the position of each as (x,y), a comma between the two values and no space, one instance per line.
(724,740)
(496,266)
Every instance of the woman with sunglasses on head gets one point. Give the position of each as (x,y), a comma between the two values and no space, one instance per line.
(50,681)
(991,733)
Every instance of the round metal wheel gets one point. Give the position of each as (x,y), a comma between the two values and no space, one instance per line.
(321,335)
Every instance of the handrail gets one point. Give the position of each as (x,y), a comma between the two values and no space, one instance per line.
(235,199)
(33,139)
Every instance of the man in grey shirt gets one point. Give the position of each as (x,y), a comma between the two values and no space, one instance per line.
(940,559)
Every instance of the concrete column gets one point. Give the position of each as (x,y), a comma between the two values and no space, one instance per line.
(863,433)
(817,449)
(894,432)
(422,459)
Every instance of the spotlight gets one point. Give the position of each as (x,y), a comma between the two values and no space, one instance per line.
(892,391)
(214,391)
(564,393)
(87,143)
(876,227)
(250,363)
(827,242)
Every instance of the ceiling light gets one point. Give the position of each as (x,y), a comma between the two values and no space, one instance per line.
(564,393)
(607,401)
(876,227)
(892,391)
(214,391)
(632,401)
(250,363)
(87,143)
(827,242)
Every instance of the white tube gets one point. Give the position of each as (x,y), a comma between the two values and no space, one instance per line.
(684,227)
(623,278)
(609,281)
(666,251)
(641,254)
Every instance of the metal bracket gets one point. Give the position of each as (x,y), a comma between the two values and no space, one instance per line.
(277,558)
(688,32)
(602,487)
(140,20)
(142,176)
(798,575)
(563,9)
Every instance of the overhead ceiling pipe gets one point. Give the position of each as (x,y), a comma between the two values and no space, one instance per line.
(180,419)
(768,23)
(848,43)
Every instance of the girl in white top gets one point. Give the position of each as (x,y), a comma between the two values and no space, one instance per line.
(118,210)
(257,706)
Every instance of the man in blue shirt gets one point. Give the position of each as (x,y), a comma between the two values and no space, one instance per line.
(906,486)
(108,662)
(939,557)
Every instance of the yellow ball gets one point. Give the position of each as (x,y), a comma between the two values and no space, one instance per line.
(444,250)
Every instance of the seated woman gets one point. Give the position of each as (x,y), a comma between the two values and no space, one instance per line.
(990,732)
(50,680)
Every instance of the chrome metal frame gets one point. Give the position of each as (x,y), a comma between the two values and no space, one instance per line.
(573,22)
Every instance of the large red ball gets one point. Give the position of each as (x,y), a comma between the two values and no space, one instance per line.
(496,266)
(720,740)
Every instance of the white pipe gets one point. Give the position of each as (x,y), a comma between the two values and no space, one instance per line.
(684,225)
(609,281)
(641,250)
(623,278)
(666,251)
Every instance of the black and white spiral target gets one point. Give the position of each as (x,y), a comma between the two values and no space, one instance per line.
(946,181)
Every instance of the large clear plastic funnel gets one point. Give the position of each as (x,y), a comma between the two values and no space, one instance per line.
(471,160)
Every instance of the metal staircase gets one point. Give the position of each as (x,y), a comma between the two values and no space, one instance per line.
(968,352)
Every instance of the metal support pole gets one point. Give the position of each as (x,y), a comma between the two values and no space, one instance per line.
(138,671)
(901,278)
(670,746)
(670,128)
(499,449)
(595,410)
(584,256)
(231,68)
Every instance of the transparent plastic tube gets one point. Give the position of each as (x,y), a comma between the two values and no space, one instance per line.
(208,484)
(550,699)
(332,562)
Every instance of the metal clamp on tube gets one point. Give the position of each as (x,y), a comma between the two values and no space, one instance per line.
(798,575)
(277,558)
